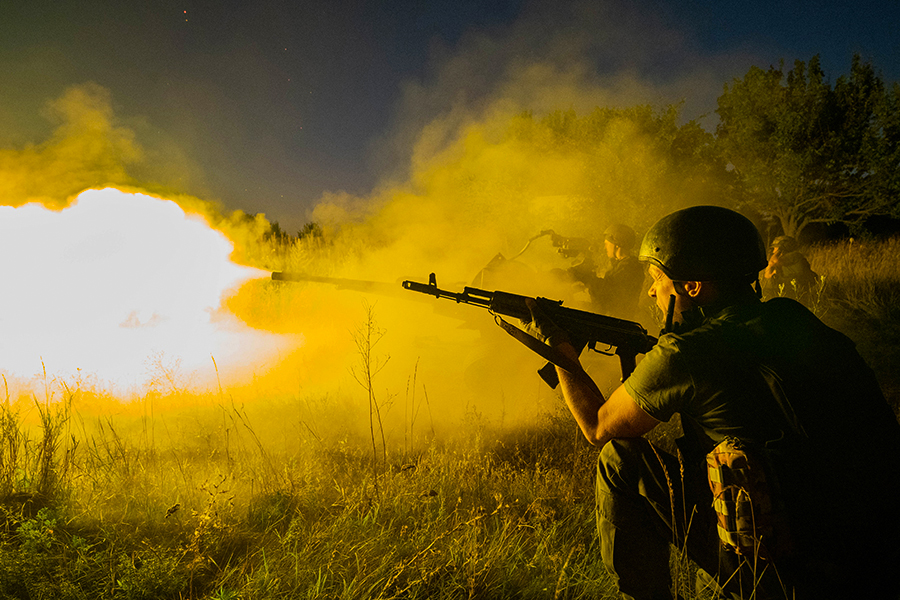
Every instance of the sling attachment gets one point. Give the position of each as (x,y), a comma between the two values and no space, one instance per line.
(550,354)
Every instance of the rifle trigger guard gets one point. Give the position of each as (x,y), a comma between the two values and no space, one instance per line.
(608,352)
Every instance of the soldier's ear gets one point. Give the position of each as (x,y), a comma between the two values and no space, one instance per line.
(693,288)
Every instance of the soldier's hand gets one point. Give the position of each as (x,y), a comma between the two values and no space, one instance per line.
(542,326)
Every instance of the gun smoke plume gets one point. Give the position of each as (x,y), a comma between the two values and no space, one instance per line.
(110,286)
(464,181)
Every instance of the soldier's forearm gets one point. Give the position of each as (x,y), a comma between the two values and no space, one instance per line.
(583,398)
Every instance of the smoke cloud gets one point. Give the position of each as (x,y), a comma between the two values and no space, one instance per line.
(576,55)
(87,149)
(465,186)
(466,182)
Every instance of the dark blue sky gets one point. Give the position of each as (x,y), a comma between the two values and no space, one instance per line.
(271,103)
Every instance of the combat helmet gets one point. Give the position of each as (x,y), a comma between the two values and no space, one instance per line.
(786,243)
(705,243)
(620,235)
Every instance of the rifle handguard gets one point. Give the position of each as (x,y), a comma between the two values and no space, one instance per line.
(627,337)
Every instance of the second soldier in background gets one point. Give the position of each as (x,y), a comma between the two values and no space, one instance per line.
(617,292)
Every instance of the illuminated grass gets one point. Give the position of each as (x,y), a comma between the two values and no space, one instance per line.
(862,276)
(200,496)
(863,290)
(224,515)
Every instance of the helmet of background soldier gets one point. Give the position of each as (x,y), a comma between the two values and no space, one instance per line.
(786,243)
(620,235)
(705,243)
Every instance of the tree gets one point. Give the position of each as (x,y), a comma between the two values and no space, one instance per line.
(629,165)
(806,152)
(311,231)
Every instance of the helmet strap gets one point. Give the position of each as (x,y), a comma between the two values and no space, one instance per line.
(687,319)
(670,314)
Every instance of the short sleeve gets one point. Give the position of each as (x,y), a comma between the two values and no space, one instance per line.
(661,385)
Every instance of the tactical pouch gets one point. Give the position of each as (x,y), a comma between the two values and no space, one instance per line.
(741,499)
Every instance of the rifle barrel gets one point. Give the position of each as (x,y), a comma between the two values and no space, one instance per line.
(358,285)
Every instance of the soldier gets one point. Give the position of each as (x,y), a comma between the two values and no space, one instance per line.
(788,272)
(812,441)
(616,293)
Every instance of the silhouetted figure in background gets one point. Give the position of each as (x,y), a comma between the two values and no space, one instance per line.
(618,291)
(788,272)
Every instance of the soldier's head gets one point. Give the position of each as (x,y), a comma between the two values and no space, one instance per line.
(618,240)
(702,255)
(785,244)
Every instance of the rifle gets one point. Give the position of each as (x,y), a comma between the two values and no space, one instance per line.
(589,329)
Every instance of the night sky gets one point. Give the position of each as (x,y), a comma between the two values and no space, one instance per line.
(267,105)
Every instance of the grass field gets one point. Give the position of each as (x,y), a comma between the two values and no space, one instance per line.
(187,496)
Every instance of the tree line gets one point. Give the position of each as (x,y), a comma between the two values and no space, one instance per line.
(805,151)
(791,149)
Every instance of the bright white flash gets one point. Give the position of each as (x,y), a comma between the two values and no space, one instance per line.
(116,283)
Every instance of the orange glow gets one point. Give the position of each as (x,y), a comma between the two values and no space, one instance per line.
(120,285)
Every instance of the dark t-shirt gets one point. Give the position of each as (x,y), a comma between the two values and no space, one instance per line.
(774,375)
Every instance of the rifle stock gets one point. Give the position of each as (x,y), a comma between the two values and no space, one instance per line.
(627,337)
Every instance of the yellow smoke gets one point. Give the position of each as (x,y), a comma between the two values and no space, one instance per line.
(494,185)
(483,180)
(87,149)
(104,282)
